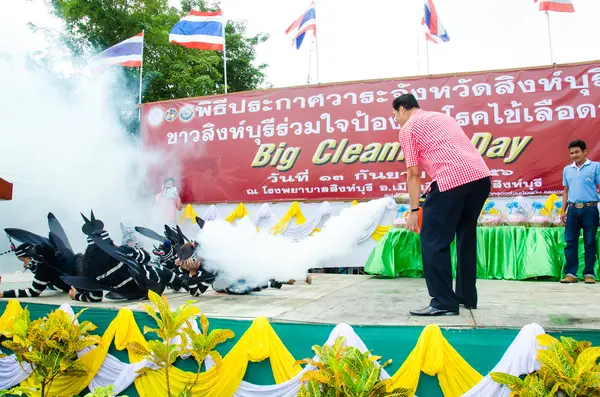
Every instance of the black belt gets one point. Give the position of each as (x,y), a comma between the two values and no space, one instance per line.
(581,205)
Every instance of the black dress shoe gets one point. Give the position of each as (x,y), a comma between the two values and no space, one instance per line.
(432,311)
(469,307)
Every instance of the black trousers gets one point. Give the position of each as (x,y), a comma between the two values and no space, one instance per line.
(446,215)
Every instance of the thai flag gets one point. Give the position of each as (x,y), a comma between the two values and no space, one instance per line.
(306,22)
(556,5)
(434,30)
(200,30)
(126,53)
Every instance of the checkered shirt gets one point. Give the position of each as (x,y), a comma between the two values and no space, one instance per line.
(438,144)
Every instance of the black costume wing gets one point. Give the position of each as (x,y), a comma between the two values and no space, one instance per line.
(27,237)
(181,235)
(63,246)
(135,269)
(150,234)
(69,261)
(57,229)
(173,236)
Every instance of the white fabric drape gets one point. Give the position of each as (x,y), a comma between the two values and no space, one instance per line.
(264,212)
(212,214)
(11,373)
(120,375)
(299,232)
(519,359)
(370,229)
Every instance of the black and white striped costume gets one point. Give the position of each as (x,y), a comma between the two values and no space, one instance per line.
(43,266)
(166,255)
(103,268)
(199,284)
(106,270)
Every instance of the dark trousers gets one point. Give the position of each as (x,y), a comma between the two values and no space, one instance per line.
(446,215)
(585,218)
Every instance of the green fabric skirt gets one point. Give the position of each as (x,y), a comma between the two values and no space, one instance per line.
(504,253)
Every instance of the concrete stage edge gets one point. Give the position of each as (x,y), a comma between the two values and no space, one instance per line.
(368,300)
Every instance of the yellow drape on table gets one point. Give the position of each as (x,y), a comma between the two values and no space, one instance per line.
(258,343)
(189,213)
(493,211)
(549,205)
(293,212)
(238,213)
(435,356)
(380,231)
(65,385)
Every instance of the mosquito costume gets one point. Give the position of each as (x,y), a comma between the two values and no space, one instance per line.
(42,259)
(185,253)
(45,274)
(124,270)
(175,248)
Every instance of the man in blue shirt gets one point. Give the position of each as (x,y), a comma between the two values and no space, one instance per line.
(581,181)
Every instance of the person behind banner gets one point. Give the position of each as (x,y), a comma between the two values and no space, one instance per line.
(581,181)
(168,203)
(461,183)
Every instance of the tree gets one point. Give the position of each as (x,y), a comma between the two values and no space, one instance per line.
(170,71)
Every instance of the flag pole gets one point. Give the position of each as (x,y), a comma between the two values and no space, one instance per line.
(427,53)
(418,50)
(317,43)
(550,38)
(224,51)
(310,50)
(141,73)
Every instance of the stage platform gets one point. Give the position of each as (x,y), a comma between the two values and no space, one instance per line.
(374,301)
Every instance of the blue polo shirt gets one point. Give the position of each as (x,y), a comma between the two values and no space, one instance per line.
(582,182)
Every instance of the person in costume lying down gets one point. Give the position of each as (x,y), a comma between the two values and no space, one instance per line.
(179,253)
(41,260)
(200,279)
(125,271)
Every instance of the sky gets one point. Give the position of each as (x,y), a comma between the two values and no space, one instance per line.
(361,40)
(384,39)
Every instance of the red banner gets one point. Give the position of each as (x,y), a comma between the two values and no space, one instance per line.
(341,142)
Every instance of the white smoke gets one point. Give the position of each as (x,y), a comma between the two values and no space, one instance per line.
(66,152)
(240,252)
(63,146)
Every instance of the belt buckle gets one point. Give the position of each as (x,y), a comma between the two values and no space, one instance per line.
(579,205)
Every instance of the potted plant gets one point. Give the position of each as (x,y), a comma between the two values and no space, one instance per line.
(103,392)
(568,368)
(50,345)
(170,323)
(204,344)
(346,371)
(164,352)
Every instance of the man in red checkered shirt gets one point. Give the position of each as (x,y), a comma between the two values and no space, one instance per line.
(461,183)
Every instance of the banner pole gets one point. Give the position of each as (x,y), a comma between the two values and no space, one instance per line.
(550,38)
(141,73)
